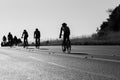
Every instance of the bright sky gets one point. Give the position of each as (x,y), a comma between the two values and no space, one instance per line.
(82,16)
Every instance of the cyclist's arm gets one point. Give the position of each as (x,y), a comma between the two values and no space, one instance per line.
(40,34)
(22,35)
(27,34)
(69,30)
(60,32)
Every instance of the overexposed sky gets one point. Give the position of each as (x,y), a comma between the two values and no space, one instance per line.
(82,16)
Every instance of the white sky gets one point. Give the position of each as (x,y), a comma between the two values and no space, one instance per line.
(82,16)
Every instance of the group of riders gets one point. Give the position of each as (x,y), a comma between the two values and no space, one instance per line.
(64,32)
(37,36)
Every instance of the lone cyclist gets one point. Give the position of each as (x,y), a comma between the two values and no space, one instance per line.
(66,34)
(25,36)
(10,39)
(37,36)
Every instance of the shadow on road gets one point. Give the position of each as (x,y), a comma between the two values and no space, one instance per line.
(39,48)
(44,49)
(30,48)
(79,53)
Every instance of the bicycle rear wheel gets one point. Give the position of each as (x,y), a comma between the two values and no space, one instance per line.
(68,46)
(63,47)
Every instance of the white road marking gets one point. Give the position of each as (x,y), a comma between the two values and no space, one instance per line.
(47,62)
(52,63)
(94,58)
(88,57)
(109,60)
(92,73)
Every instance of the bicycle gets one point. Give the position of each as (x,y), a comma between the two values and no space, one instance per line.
(25,43)
(37,45)
(66,46)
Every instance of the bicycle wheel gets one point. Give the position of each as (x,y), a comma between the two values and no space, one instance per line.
(63,47)
(25,44)
(68,47)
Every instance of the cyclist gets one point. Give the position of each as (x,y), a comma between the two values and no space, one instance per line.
(37,36)
(66,34)
(4,41)
(10,39)
(15,40)
(25,36)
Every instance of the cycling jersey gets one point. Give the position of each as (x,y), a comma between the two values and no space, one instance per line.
(25,34)
(37,34)
(66,31)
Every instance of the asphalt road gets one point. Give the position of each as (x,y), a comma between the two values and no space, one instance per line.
(49,63)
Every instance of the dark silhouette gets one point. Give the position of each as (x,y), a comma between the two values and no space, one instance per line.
(25,36)
(10,39)
(4,38)
(19,41)
(65,29)
(15,40)
(3,43)
(37,36)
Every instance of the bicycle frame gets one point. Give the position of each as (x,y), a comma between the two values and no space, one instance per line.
(37,43)
(66,46)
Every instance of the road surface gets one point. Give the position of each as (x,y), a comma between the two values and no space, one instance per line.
(49,63)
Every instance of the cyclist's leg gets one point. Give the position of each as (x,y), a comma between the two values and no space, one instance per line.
(69,41)
(10,43)
(38,42)
(65,45)
(27,42)
(24,43)
(68,44)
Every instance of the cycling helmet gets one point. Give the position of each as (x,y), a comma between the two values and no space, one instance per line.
(36,29)
(64,24)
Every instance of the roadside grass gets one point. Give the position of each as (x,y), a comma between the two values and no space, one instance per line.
(113,38)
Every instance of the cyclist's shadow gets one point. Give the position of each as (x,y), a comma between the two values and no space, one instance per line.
(38,49)
(78,53)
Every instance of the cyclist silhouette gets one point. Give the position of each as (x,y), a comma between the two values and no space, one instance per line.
(10,39)
(3,43)
(4,39)
(15,40)
(25,36)
(37,36)
(65,29)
